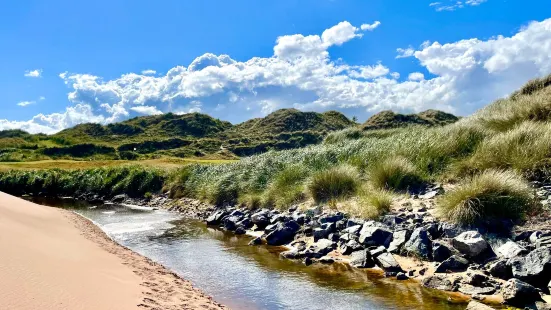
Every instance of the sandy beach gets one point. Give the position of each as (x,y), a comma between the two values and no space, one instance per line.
(55,259)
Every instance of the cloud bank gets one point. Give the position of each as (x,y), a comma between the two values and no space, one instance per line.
(459,77)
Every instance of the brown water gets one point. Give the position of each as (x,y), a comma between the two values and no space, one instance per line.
(253,277)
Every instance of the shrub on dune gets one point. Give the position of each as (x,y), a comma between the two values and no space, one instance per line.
(333,184)
(493,194)
(287,187)
(397,174)
(373,203)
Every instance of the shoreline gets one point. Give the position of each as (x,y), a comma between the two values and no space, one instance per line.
(78,266)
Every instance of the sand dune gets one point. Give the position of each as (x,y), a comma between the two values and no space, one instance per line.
(54,259)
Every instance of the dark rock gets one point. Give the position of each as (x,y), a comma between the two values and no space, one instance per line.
(475,305)
(299,218)
(345,237)
(535,236)
(283,233)
(518,293)
(256,241)
(291,254)
(320,248)
(353,230)
(477,279)
(470,243)
(438,282)
(510,249)
(215,218)
(523,236)
(452,264)
(401,276)
(500,269)
(323,231)
(270,228)
(534,268)
(419,243)
(340,225)
(473,290)
(450,230)
(326,260)
(350,246)
(361,259)
(308,261)
(433,230)
(334,237)
(387,262)
(240,231)
(354,222)
(375,236)
(440,251)
(246,223)
(331,218)
(392,220)
(230,223)
(261,219)
(377,251)
(119,198)
(398,240)
(543,241)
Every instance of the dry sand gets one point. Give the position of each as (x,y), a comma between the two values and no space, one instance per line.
(55,259)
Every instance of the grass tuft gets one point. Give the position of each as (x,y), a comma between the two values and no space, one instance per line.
(493,194)
(396,174)
(334,184)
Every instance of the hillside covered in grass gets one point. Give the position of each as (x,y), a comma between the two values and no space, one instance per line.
(172,135)
(489,158)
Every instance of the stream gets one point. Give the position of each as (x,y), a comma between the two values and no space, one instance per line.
(251,277)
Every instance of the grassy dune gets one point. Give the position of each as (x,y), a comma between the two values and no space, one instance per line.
(362,169)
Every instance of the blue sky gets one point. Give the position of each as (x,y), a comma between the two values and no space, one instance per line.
(68,62)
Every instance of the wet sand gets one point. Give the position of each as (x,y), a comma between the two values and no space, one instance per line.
(55,259)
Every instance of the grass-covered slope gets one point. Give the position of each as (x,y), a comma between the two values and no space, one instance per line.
(389,119)
(187,135)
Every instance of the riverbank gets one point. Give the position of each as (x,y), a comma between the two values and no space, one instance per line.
(55,259)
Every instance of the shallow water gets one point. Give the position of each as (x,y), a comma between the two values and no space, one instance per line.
(251,277)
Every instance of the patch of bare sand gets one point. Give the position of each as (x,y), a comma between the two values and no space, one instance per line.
(54,259)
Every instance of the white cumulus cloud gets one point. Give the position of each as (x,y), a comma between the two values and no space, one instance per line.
(25,103)
(33,73)
(460,77)
(370,27)
(149,72)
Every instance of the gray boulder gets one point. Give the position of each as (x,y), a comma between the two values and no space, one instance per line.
(375,236)
(361,259)
(475,305)
(291,254)
(440,251)
(500,269)
(387,262)
(215,218)
(452,264)
(419,243)
(518,293)
(230,223)
(470,243)
(283,233)
(438,282)
(323,231)
(399,238)
(256,241)
(510,249)
(534,268)
(468,289)
(261,219)
(320,248)
(350,246)
(353,230)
